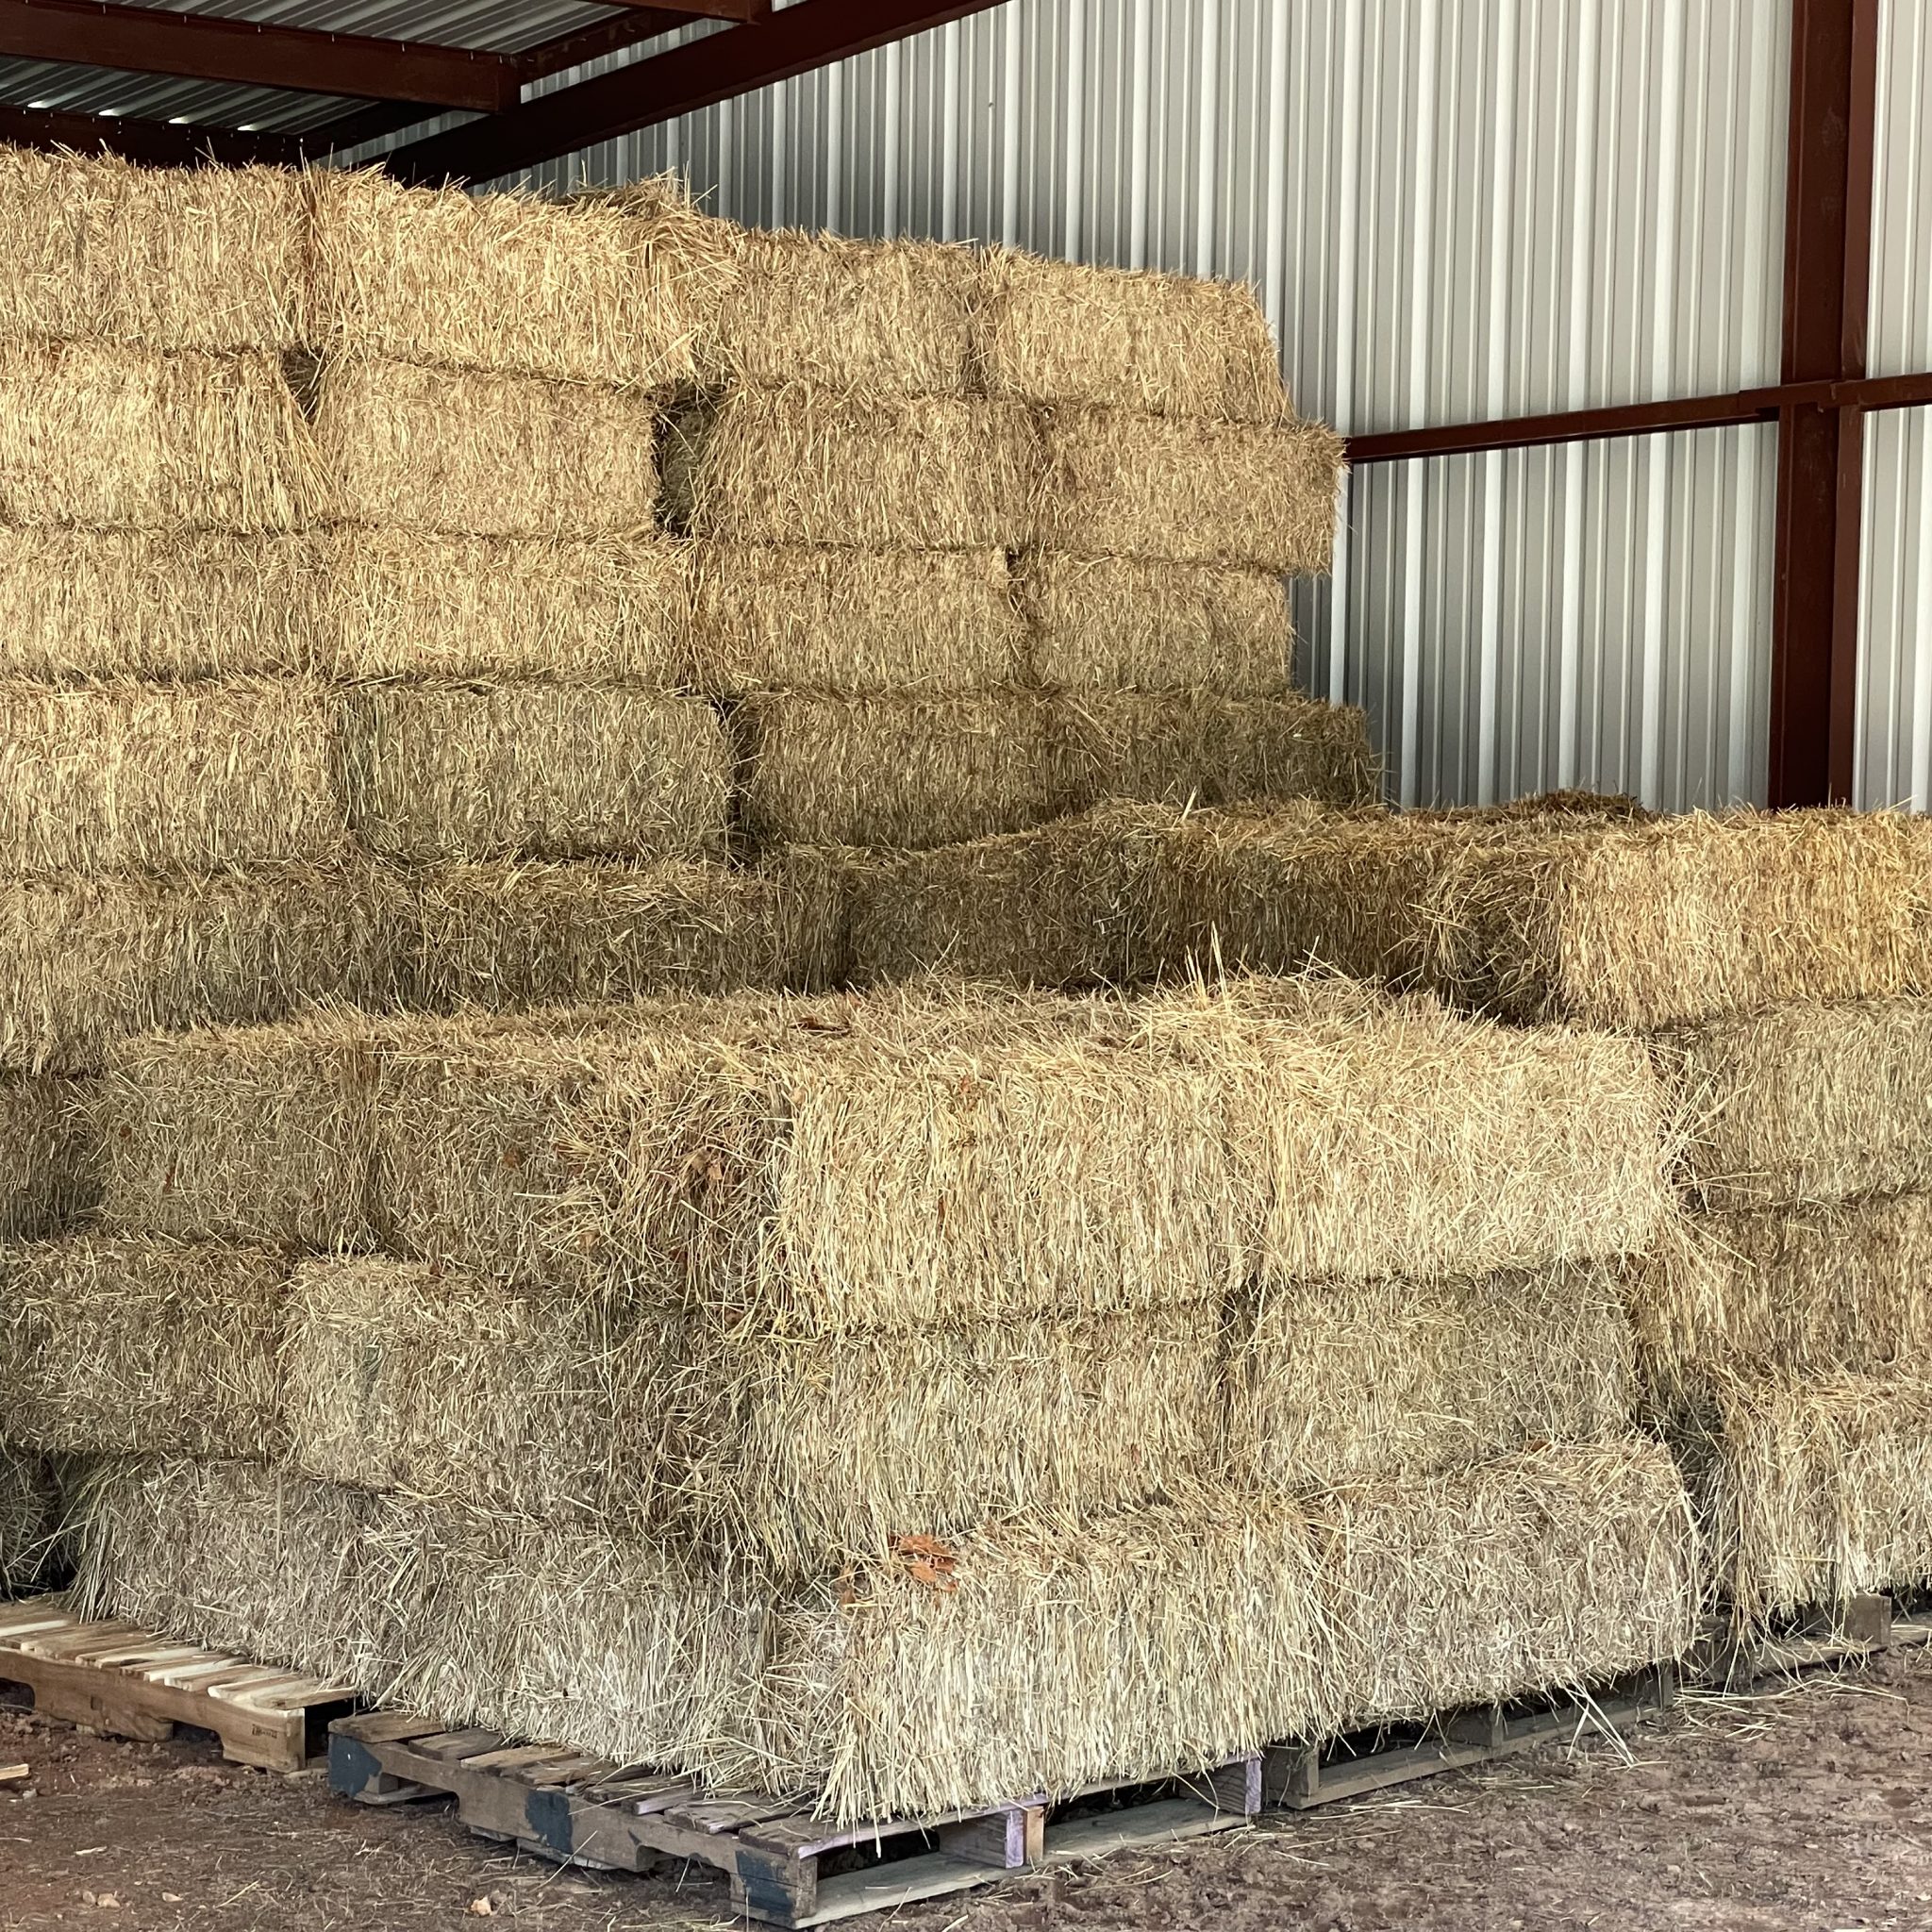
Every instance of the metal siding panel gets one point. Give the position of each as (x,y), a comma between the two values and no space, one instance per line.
(1901,318)
(1894,718)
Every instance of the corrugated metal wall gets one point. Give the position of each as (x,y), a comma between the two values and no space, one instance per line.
(1894,762)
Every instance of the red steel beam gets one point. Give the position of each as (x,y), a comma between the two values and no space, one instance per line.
(699,10)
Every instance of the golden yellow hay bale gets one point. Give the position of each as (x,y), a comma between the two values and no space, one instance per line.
(462,454)
(1259,496)
(161,605)
(169,258)
(1070,332)
(537,770)
(403,605)
(596,287)
(1558,1568)
(121,775)
(30,1515)
(781,617)
(1124,624)
(134,1346)
(848,315)
(877,472)
(98,434)
(1336,1380)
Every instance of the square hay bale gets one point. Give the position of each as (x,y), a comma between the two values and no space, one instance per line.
(1334,1381)
(49,1164)
(181,605)
(114,1346)
(102,435)
(462,454)
(167,258)
(780,616)
(1256,495)
(1070,332)
(1808,1102)
(1552,1570)
(866,471)
(1124,624)
(125,776)
(533,770)
(29,1516)
(579,609)
(603,289)
(848,315)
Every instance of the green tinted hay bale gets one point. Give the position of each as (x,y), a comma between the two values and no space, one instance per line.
(30,1515)
(49,1165)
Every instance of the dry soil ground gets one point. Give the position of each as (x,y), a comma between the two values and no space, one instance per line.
(1802,1811)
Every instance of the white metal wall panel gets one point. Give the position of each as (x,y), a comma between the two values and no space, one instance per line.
(1894,748)
(1900,342)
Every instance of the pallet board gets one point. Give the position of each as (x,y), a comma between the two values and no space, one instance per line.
(1730,1657)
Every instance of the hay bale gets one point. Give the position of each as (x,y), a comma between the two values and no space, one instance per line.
(1123,624)
(1556,1569)
(1333,1381)
(132,1346)
(125,776)
(49,1168)
(168,257)
(871,470)
(537,770)
(784,617)
(102,435)
(29,1516)
(463,454)
(577,609)
(1254,495)
(1070,332)
(174,605)
(600,289)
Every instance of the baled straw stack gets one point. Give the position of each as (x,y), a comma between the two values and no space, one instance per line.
(166,257)
(100,435)
(873,471)
(1254,495)
(29,1512)
(785,617)
(1065,332)
(535,771)
(1125,624)
(597,289)
(463,454)
(125,776)
(111,1346)
(48,1170)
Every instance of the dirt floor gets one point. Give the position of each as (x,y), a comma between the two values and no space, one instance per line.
(1804,1812)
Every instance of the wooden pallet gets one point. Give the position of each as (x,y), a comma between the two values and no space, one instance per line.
(128,1682)
(1730,1657)
(1300,1776)
(786,1867)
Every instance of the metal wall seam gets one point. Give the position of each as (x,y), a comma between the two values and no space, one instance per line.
(1894,715)
(1900,338)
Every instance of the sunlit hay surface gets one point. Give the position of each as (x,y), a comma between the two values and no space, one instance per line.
(100,435)
(600,289)
(1068,332)
(1334,1380)
(50,1171)
(1257,495)
(169,258)
(29,1514)
(139,1346)
(462,454)
(114,776)
(400,604)
(1557,1568)
(533,770)
(790,617)
(1125,623)
(876,471)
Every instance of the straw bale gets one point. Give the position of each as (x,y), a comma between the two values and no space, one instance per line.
(97,434)
(1121,483)
(782,617)
(49,1170)
(463,454)
(878,472)
(167,605)
(1070,332)
(29,1514)
(135,1346)
(405,605)
(169,258)
(535,771)
(1123,624)
(1554,1568)
(121,776)
(848,315)
(598,288)
(1333,1381)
